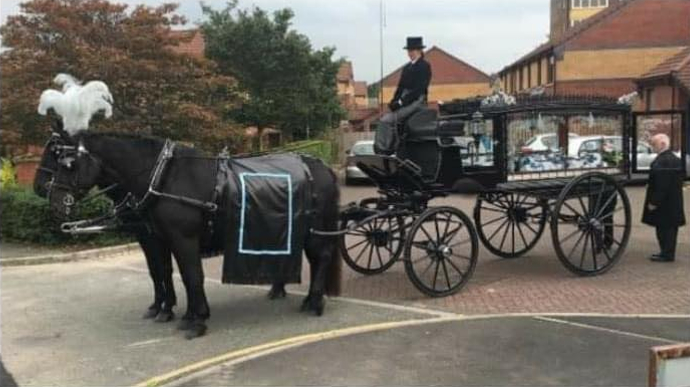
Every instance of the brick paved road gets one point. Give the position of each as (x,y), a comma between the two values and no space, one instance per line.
(538,283)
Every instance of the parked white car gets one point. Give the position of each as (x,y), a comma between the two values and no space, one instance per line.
(584,145)
(352,172)
(542,153)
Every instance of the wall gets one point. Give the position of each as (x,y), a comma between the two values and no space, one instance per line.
(447,92)
(26,170)
(579,14)
(347,88)
(559,18)
(663,97)
(611,64)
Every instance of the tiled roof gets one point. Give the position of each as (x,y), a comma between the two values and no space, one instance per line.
(628,24)
(192,44)
(445,68)
(360,89)
(345,72)
(638,23)
(678,66)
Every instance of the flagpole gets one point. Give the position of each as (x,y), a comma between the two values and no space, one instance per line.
(381,21)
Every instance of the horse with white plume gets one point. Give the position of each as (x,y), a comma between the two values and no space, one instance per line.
(76,104)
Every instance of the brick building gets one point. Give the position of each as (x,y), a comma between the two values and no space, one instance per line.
(664,106)
(605,53)
(352,94)
(193,43)
(451,78)
(566,14)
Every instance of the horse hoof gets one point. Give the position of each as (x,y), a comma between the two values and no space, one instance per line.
(197,329)
(150,313)
(317,306)
(165,316)
(185,324)
(318,309)
(275,294)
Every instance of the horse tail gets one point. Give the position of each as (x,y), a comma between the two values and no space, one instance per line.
(334,277)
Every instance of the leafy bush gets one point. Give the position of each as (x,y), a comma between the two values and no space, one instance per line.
(27,218)
(8,176)
(318,148)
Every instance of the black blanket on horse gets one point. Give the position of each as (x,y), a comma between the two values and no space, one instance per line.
(268,200)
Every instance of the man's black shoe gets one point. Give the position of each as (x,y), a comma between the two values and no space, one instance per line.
(660,258)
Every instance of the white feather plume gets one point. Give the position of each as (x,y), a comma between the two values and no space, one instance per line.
(76,104)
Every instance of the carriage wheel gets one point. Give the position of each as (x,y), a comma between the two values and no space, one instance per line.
(374,246)
(509,224)
(591,224)
(441,251)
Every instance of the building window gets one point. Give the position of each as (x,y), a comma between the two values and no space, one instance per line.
(529,75)
(522,73)
(590,3)
(539,80)
(551,70)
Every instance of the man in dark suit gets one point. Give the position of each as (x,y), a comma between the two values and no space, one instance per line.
(663,206)
(409,97)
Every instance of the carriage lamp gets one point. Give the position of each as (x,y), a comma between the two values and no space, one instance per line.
(477,127)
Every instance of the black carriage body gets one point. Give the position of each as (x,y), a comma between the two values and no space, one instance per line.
(556,161)
(540,139)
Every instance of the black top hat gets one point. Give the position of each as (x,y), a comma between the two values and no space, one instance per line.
(415,43)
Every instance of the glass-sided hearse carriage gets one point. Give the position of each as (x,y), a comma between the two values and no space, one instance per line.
(533,161)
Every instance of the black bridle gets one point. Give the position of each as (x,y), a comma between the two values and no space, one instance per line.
(62,150)
(73,189)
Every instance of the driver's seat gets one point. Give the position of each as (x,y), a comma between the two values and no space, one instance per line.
(422,125)
(419,142)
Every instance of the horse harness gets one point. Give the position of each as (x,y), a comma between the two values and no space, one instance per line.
(132,203)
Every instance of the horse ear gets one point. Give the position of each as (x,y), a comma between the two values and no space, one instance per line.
(57,127)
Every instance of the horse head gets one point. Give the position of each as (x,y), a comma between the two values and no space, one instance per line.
(59,140)
(66,174)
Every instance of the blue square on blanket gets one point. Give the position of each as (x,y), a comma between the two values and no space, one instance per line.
(266,214)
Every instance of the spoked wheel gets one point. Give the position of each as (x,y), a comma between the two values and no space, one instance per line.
(591,224)
(373,246)
(509,224)
(441,251)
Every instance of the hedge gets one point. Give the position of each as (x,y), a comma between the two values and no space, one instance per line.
(27,218)
(318,148)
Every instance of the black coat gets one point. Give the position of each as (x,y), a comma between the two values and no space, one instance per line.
(665,191)
(414,83)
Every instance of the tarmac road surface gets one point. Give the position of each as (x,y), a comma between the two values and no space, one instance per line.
(515,351)
(80,323)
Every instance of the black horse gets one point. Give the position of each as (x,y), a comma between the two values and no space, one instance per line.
(96,159)
(157,253)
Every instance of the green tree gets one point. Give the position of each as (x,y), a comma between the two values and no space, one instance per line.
(285,83)
(156,90)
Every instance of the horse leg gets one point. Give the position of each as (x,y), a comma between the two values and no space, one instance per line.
(277,291)
(320,253)
(186,251)
(313,264)
(155,272)
(166,314)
